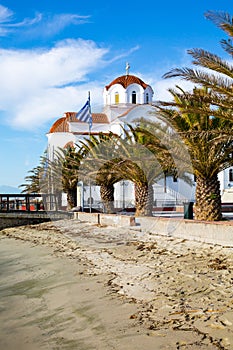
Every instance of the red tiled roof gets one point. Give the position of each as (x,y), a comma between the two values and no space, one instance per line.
(61,124)
(71,116)
(126,80)
(100,118)
(69,144)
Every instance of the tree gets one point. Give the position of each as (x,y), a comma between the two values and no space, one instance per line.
(33,181)
(209,140)
(109,159)
(216,76)
(214,73)
(96,167)
(70,162)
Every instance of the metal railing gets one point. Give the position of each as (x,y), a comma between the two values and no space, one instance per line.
(29,202)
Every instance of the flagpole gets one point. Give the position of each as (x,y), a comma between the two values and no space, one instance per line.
(90,125)
(89,108)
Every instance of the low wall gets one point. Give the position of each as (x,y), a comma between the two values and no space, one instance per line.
(117,220)
(220,233)
(88,217)
(105,219)
(22,218)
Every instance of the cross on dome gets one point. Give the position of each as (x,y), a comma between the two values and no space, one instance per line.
(127,89)
(127,67)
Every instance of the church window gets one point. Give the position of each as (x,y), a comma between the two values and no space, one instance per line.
(116,98)
(231,175)
(147,97)
(134,97)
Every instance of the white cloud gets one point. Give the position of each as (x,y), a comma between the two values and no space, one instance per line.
(39,85)
(5,14)
(59,22)
(41,25)
(51,25)
(161,92)
(125,54)
(52,103)
(26,21)
(8,24)
(161,85)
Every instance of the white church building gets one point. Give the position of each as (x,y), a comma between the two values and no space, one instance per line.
(124,100)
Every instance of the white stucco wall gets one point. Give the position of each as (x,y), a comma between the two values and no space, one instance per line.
(84,128)
(150,93)
(109,95)
(58,140)
(224,179)
(125,95)
(124,194)
(139,93)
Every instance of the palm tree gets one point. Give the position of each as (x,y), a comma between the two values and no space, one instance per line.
(106,178)
(60,175)
(64,174)
(70,160)
(143,177)
(54,176)
(109,159)
(217,74)
(144,164)
(96,168)
(209,141)
(33,181)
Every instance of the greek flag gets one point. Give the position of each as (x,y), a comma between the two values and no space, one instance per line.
(84,115)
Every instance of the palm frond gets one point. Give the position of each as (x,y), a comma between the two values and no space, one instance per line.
(227,46)
(218,84)
(221,19)
(211,61)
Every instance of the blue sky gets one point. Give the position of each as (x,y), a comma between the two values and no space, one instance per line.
(53,52)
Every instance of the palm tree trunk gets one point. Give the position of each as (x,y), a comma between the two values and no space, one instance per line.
(58,196)
(143,199)
(72,197)
(208,199)
(107,197)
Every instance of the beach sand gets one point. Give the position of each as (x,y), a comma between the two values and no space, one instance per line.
(72,285)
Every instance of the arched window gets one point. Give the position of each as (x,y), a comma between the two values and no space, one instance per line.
(116,97)
(231,175)
(134,97)
(147,97)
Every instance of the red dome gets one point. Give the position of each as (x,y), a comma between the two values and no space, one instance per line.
(126,80)
(59,126)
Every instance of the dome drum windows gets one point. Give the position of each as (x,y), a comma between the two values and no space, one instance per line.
(117,97)
(134,97)
(127,89)
(231,175)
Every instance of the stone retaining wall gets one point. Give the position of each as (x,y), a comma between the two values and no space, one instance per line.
(106,219)
(220,233)
(22,218)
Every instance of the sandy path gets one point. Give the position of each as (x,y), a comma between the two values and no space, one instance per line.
(47,302)
(181,290)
